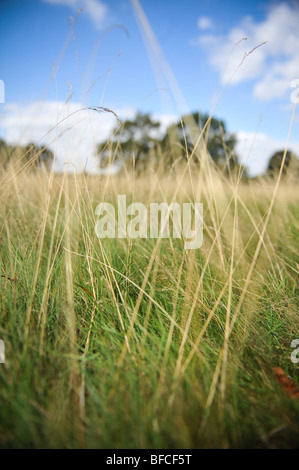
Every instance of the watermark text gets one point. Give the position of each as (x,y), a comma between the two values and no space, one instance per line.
(187,222)
(295,353)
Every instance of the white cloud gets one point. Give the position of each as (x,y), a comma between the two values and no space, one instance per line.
(74,139)
(259,149)
(96,10)
(165,120)
(204,22)
(75,131)
(273,65)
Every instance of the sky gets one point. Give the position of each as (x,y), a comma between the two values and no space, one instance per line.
(237,60)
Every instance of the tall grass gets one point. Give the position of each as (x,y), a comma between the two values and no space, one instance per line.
(122,343)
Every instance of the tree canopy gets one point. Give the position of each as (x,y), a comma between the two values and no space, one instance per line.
(220,143)
(40,156)
(133,139)
(291,164)
(142,141)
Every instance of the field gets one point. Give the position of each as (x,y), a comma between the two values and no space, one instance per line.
(140,343)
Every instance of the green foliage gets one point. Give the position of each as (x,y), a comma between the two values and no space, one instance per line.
(133,139)
(141,139)
(291,163)
(38,156)
(142,401)
(42,156)
(219,143)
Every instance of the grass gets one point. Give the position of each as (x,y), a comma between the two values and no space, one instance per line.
(120,343)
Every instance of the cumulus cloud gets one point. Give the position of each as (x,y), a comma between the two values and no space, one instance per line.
(273,65)
(73,133)
(204,22)
(68,129)
(259,148)
(96,10)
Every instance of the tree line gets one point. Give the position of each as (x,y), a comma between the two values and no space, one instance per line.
(37,156)
(144,143)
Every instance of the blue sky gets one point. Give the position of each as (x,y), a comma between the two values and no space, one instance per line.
(41,65)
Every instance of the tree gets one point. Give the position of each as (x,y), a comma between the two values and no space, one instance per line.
(40,156)
(220,144)
(276,160)
(140,139)
(133,139)
(3,153)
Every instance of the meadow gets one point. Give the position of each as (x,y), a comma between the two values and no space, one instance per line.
(140,343)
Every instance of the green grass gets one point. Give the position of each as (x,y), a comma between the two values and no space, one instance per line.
(142,344)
